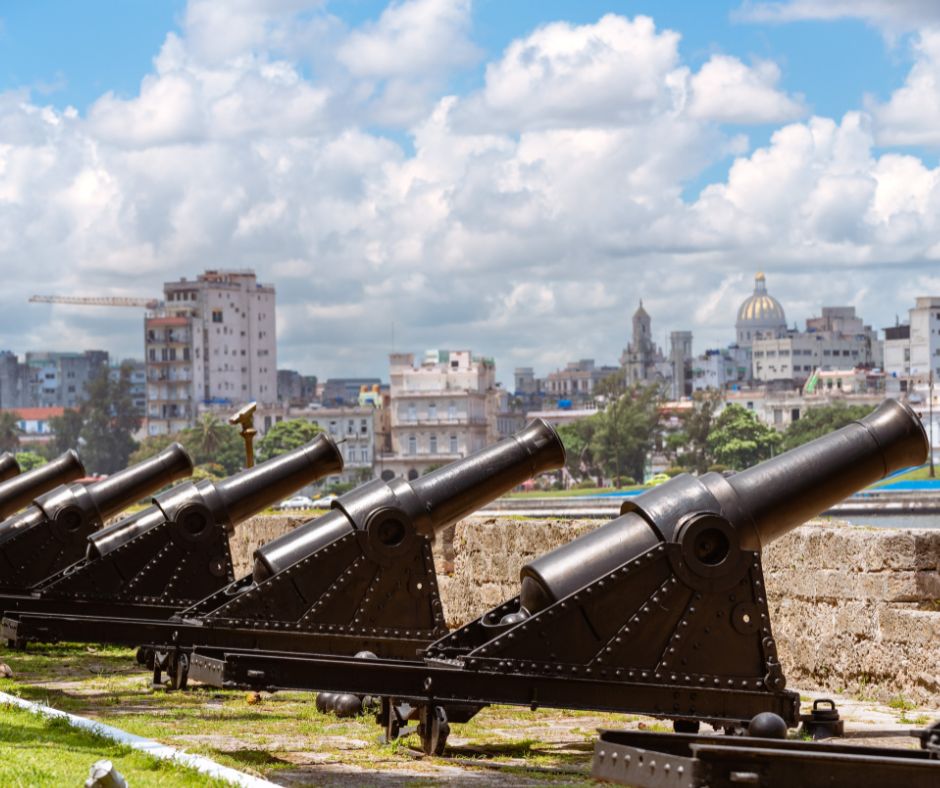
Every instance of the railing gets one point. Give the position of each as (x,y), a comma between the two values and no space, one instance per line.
(456,421)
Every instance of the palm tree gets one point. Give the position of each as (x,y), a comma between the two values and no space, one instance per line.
(209,435)
(9,430)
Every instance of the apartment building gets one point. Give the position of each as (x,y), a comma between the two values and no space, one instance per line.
(577,381)
(212,342)
(57,380)
(438,410)
(837,340)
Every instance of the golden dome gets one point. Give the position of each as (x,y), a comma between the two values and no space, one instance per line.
(761,310)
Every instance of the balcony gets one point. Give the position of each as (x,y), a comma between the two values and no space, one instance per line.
(456,421)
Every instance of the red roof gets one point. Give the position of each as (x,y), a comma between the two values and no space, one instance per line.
(34,414)
(167,321)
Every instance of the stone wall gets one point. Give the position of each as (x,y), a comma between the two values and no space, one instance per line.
(253,533)
(853,609)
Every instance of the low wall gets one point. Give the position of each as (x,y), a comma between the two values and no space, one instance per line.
(853,609)
(253,533)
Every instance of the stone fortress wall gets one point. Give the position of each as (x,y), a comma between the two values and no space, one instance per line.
(854,609)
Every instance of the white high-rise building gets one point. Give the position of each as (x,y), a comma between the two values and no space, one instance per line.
(925,339)
(213,342)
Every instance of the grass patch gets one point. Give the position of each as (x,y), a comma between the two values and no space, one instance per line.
(574,493)
(284,731)
(901,703)
(37,750)
(915,475)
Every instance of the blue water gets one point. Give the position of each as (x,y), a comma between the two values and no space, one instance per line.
(918,485)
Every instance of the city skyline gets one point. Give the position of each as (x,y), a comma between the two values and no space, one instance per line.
(456,175)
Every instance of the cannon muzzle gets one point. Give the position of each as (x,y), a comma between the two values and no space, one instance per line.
(390,515)
(229,501)
(125,487)
(254,489)
(714,518)
(17,492)
(9,467)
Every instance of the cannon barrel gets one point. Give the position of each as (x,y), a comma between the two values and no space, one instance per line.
(9,467)
(391,514)
(231,500)
(78,506)
(256,488)
(17,492)
(714,517)
(123,488)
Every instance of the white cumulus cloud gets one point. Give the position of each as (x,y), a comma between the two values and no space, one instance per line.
(524,220)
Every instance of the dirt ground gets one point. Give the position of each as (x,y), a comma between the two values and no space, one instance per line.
(283,738)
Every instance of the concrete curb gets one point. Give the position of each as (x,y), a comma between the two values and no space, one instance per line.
(152,748)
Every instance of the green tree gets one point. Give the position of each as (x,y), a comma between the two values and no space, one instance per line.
(816,422)
(231,452)
(612,387)
(626,431)
(66,430)
(109,420)
(209,434)
(149,446)
(286,436)
(579,457)
(696,429)
(739,440)
(9,431)
(208,470)
(29,460)
(228,454)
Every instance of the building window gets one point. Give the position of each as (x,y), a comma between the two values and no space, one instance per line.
(432,410)
(453,444)
(451,412)
(412,413)
(216,315)
(412,444)
(432,444)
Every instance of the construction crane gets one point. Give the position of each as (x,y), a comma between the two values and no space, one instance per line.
(146,303)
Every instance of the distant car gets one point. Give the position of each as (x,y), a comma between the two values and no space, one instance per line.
(325,502)
(658,478)
(297,502)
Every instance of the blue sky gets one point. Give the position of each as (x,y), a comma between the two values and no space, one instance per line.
(315,141)
(105,45)
(100,45)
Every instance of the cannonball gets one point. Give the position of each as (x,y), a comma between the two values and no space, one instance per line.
(324,701)
(365,655)
(347,705)
(767,725)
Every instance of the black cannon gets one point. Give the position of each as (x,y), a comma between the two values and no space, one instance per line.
(176,551)
(18,491)
(661,612)
(51,533)
(9,467)
(360,577)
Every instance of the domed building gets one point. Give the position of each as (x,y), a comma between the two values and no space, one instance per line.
(760,316)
